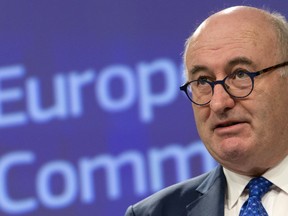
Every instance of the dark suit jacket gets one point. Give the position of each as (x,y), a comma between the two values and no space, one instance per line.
(200,196)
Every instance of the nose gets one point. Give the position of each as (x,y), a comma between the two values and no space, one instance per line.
(221,100)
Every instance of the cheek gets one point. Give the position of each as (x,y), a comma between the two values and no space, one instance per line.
(197,115)
(268,114)
(201,115)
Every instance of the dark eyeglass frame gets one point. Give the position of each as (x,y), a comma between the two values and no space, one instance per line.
(252,75)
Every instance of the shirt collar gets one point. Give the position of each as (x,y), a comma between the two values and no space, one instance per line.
(236,183)
(278,175)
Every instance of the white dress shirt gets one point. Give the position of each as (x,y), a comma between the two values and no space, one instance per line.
(275,201)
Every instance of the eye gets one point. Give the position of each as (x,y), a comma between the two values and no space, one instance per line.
(202,80)
(239,74)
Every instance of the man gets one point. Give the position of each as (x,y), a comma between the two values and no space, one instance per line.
(241,116)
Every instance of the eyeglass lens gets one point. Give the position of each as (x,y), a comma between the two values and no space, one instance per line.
(238,85)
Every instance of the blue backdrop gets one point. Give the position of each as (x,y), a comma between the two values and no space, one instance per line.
(91,116)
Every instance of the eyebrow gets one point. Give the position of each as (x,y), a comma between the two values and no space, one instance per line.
(240,60)
(235,61)
(198,68)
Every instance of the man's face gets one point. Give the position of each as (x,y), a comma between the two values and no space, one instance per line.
(247,135)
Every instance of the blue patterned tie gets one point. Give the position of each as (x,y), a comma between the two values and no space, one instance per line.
(253,206)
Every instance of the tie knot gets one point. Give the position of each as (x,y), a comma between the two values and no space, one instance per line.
(258,187)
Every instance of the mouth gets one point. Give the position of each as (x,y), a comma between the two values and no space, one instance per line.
(227,124)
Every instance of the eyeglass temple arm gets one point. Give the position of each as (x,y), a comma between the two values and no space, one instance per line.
(273,67)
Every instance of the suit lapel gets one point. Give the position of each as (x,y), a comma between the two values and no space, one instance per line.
(211,200)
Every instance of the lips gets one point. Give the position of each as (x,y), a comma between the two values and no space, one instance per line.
(226,124)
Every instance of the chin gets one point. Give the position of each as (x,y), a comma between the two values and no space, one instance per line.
(233,145)
(233,156)
(234,153)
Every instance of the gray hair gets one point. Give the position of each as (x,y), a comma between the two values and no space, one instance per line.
(281,26)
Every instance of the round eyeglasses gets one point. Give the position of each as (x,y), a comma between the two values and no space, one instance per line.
(238,84)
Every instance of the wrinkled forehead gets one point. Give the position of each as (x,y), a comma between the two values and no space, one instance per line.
(215,36)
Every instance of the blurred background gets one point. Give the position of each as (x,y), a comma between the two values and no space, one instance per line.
(91,116)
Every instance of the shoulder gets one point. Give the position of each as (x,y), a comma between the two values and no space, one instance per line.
(171,200)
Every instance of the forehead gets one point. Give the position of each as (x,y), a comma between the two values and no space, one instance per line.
(222,38)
